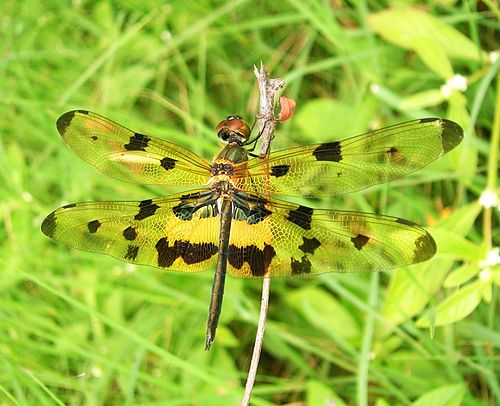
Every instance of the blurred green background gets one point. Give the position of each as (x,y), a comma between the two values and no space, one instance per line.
(78,328)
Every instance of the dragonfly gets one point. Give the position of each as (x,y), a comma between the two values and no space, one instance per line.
(229,219)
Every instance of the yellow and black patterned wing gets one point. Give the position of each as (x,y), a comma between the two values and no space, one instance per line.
(340,167)
(126,155)
(280,239)
(180,232)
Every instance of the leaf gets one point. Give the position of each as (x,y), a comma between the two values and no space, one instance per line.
(456,306)
(322,310)
(465,158)
(382,348)
(433,55)
(319,394)
(449,395)
(461,220)
(327,119)
(461,275)
(426,98)
(495,277)
(381,402)
(411,289)
(417,30)
(487,292)
(450,244)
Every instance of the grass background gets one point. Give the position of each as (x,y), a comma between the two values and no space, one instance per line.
(82,329)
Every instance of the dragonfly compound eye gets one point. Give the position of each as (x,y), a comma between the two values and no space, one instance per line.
(233,127)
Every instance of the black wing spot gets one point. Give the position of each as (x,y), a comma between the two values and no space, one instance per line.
(138,142)
(395,156)
(279,170)
(405,222)
(94,138)
(300,267)
(257,259)
(93,226)
(252,215)
(330,151)
(360,241)
(194,195)
(165,257)
(257,214)
(302,216)
(393,153)
(168,163)
(184,211)
(191,253)
(309,245)
(132,251)
(146,209)
(49,225)
(130,233)
(429,120)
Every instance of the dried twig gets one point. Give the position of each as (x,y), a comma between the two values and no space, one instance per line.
(268,89)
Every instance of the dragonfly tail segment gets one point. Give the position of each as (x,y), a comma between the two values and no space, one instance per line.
(220,272)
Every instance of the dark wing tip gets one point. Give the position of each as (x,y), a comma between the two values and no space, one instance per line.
(64,121)
(425,248)
(451,135)
(49,225)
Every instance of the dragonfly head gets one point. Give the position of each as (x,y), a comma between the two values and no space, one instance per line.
(233,129)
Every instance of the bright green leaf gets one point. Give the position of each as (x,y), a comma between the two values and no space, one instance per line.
(325,312)
(466,158)
(495,277)
(461,220)
(452,245)
(426,98)
(455,307)
(411,289)
(327,119)
(320,394)
(487,292)
(410,29)
(461,275)
(381,402)
(433,55)
(449,395)
(385,346)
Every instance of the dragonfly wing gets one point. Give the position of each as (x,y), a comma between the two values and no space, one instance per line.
(129,156)
(340,167)
(277,238)
(179,232)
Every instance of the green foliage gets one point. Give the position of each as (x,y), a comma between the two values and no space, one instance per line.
(78,328)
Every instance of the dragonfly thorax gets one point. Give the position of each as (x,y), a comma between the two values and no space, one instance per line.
(222,167)
(222,185)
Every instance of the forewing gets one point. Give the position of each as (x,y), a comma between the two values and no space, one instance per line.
(179,232)
(280,239)
(126,155)
(340,167)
